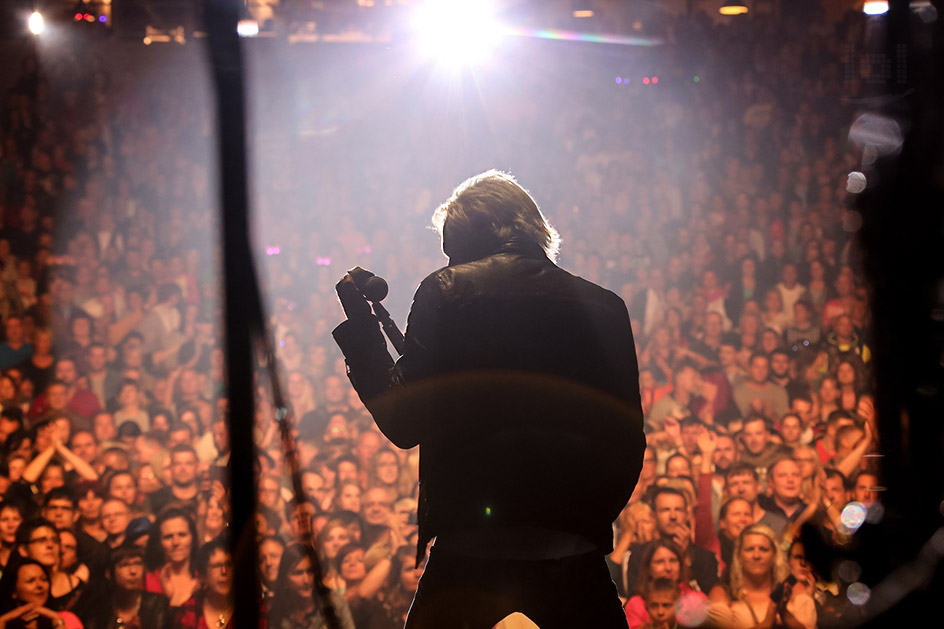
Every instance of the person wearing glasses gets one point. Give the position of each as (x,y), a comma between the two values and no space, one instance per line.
(116,515)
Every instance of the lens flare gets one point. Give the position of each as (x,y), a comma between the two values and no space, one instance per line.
(858,593)
(853,516)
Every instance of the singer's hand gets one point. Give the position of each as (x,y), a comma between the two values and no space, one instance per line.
(352,300)
(360,276)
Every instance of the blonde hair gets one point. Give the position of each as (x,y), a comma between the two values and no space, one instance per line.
(486,211)
(778,571)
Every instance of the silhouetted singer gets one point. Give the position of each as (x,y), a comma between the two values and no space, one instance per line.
(519,382)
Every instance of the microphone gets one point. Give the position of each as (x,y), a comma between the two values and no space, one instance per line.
(375,290)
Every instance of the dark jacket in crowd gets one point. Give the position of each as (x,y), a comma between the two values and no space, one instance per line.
(154,613)
(520,382)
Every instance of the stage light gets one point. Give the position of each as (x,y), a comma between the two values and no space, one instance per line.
(456,31)
(583,13)
(875,7)
(733,7)
(35,23)
(247,28)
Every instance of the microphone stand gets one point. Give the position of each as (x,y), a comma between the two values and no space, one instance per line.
(389,326)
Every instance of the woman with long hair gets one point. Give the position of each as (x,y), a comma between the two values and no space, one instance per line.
(746,288)
(657,357)
(397,593)
(171,557)
(818,287)
(758,568)
(212,518)
(330,539)
(348,496)
(661,559)
(10,394)
(828,395)
(24,597)
(299,599)
(383,471)
(40,369)
(849,375)
(301,394)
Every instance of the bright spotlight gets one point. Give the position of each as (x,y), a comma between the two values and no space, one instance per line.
(247,28)
(875,7)
(35,23)
(457,31)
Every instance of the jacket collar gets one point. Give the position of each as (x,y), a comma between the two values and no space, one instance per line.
(522,247)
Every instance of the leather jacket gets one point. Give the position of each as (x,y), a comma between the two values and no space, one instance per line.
(519,382)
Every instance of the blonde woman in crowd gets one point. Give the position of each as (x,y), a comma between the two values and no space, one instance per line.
(755,579)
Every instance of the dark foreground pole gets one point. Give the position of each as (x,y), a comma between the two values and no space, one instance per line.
(242,309)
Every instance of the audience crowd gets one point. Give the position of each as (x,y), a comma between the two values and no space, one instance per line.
(716,209)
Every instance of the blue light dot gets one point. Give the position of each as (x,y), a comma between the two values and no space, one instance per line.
(102,19)
(619,80)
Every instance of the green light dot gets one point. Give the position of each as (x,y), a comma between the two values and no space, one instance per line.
(488,511)
(696,79)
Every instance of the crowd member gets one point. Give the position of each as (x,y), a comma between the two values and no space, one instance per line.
(171,555)
(127,602)
(662,560)
(299,603)
(673,524)
(742,481)
(25,596)
(757,569)
(661,598)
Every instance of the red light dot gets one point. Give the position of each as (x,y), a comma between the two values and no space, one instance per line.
(655,79)
(78,16)
(645,80)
